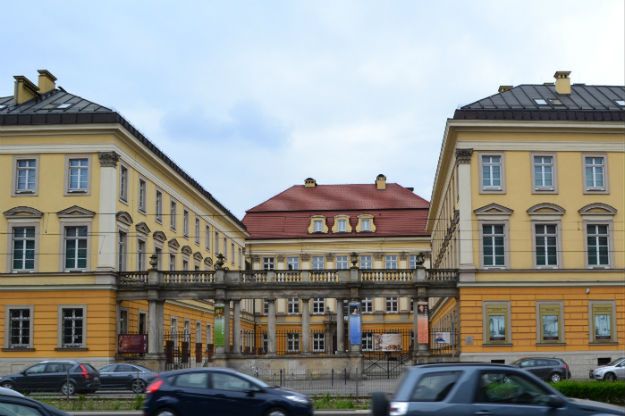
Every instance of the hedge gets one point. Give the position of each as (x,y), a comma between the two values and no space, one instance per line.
(600,391)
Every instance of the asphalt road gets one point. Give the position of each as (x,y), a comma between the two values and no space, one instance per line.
(318,413)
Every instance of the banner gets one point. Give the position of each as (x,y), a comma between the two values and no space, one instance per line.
(442,337)
(355,332)
(423,330)
(132,344)
(218,337)
(387,342)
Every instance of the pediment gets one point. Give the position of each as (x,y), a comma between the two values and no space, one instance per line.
(124,217)
(493,209)
(23,212)
(198,256)
(142,228)
(208,261)
(159,236)
(598,208)
(75,212)
(546,208)
(173,244)
(187,250)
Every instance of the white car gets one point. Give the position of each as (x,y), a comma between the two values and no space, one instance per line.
(610,372)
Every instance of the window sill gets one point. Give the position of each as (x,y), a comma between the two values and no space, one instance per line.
(550,344)
(603,343)
(18,349)
(60,349)
(497,344)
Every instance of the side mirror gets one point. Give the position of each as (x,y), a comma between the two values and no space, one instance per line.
(379,404)
(555,402)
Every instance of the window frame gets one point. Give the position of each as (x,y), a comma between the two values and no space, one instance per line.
(492,189)
(124,177)
(207,237)
(292,260)
(79,191)
(366,341)
(142,195)
(542,305)
(558,238)
(504,304)
(14,189)
(16,223)
(8,327)
(343,261)
(591,322)
(60,344)
(292,342)
(185,222)
(122,256)
(318,306)
(197,229)
(391,304)
(158,206)
(269,263)
(141,255)
(314,265)
(64,224)
(292,306)
(553,189)
(504,223)
(361,264)
(173,214)
(319,342)
(366,305)
(608,224)
(390,259)
(595,190)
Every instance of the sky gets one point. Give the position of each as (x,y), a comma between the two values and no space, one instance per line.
(252,97)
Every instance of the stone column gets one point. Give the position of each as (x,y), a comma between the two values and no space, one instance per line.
(305,325)
(424,348)
(271,326)
(340,327)
(107,259)
(465,225)
(237,327)
(156,339)
(227,326)
(415,325)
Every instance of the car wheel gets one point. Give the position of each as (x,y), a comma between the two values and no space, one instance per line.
(137,386)
(276,411)
(555,377)
(68,389)
(609,377)
(379,404)
(7,385)
(164,412)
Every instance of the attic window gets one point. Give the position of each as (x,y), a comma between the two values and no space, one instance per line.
(555,101)
(2,106)
(618,102)
(540,101)
(63,106)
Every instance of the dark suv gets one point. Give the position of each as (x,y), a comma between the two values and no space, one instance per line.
(463,389)
(549,369)
(65,376)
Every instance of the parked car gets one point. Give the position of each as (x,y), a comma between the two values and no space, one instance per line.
(66,376)
(547,368)
(125,376)
(463,389)
(610,372)
(220,391)
(13,403)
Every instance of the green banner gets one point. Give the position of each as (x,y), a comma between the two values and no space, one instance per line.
(218,337)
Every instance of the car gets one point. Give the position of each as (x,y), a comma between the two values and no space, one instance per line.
(462,389)
(66,376)
(548,368)
(222,391)
(13,403)
(610,372)
(125,376)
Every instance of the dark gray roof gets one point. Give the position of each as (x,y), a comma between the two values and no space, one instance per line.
(585,103)
(45,110)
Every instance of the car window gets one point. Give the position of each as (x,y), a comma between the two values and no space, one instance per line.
(223,381)
(108,368)
(125,368)
(89,367)
(36,369)
(528,363)
(509,388)
(57,367)
(193,380)
(14,409)
(434,387)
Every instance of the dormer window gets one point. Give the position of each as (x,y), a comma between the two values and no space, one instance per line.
(341,224)
(365,224)
(317,226)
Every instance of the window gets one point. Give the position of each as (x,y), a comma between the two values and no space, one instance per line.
(319,342)
(413,261)
(390,262)
(366,262)
(392,304)
(123,183)
(342,225)
(493,248)
(197,230)
(123,321)
(293,305)
(594,173)
(197,380)
(540,101)
(26,176)
(543,172)
(491,173)
(318,226)
(503,388)
(546,238)
(20,409)
(216,242)
(142,194)
(75,247)
(223,381)
(23,249)
(185,265)
(367,305)
(318,262)
(342,263)
(72,327)
(232,252)
(366,342)
(159,207)
(597,245)
(140,255)
(159,257)
(78,175)
(292,342)
(198,332)
(185,223)
(292,263)
(365,224)
(319,306)
(268,263)
(172,215)
(266,307)
(186,331)
(142,324)
(172,262)
(20,328)
(602,322)
(550,323)
(496,323)
(122,251)
(434,387)
(207,237)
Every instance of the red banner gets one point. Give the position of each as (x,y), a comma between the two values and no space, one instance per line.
(132,344)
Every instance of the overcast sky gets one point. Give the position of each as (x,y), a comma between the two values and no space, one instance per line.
(251,97)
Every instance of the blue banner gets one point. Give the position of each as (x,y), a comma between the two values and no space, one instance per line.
(355,331)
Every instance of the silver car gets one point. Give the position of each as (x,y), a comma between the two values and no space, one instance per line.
(610,372)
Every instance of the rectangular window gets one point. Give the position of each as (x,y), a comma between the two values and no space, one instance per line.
(185,223)
(367,305)
(392,304)
(122,251)
(594,173)
(602,322)
(207,236)
(72,327)
(197,230)
(319,306)
(390,262)
(143,186)
(232,252)
(123,321)
(543,173)
(292,342)
(123,183)
(318,226)
(159,257)
(172,215)
(140,255)
(491,173)
(293,305)
(365,224)
(75,247)
(172,262)
(266,307)
(318,262)
(185,265)
(366,262)
(342,225)
(319,342)
(292,263)
(342,263)
(216,242)
(550,323)
(366,342)
(546,239)
(493,245)
(159,207)
(142,324)
(23,249)
(198,332)
(26,176)
(268,263)
(20,325)
(597,245)
(496,323)
(78,175)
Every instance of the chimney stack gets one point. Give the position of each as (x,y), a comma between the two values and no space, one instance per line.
(380,182)
(46,81)
(563,82)
(310,183)
(25,90)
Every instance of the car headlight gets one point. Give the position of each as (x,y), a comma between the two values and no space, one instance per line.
(398,408)
(298,399)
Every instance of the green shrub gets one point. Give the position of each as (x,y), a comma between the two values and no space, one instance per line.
(593,390)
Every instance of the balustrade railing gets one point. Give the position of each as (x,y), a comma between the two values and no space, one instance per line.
(326,276)
(132,278)
(254,277)
(387,275)
(288,276)
(188,277)
(442,275)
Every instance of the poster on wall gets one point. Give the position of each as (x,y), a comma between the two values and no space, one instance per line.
(423,330)
(219,326)
(550,321)
(355,332)
(442,337)
(387,342)
(496,322)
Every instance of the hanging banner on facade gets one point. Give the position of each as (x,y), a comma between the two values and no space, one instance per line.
(355,331)
(423,329)
(218,337)
(132,344)
(387,342)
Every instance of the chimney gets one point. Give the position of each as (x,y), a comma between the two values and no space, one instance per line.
(380,182)
(24,89)
(46,81)
(310,183)
(504,88)
(563,82)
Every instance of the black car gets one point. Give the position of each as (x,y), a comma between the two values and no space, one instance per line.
(66,376)
(220,391)
(463,389)
(549,369)
(126,377)
(16,405)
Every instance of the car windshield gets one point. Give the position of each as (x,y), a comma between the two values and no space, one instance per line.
(615,362)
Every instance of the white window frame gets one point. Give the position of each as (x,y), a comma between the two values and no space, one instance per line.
(342,262)
(505,244)
(318,262)
(11,234)
(269,263)
(141,254)
(173,213)
(490,187)
(64,226)
(158,206)
(391,262)
(197,230)
(318,306)
(8,324)
(608,225)
(292,342)
(366,262)
(68,174)
(61,327)
(30,172)
(366,343)
(172,261)
(391,304)
(594,189)
(318,225)
(207,237)
(319,342)
(143,195)
(292,263)
(122,250)
(293,306)
(185,223)
(558,236)
(124,175)
(341,225)
(542,188)
(366,305)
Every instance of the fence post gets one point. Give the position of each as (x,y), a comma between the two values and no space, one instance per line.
(280,377)
(332,378)
(345,375)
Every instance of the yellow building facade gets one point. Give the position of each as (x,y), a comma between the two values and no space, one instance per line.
(528,204)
